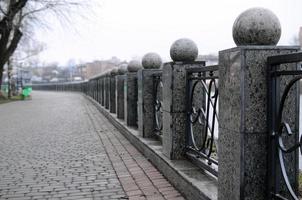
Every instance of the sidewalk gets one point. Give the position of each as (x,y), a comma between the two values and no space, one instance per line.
(58,146)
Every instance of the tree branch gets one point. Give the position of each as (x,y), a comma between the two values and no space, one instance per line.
(12,47)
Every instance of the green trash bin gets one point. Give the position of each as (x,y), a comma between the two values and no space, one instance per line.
(4,88)
(26,91)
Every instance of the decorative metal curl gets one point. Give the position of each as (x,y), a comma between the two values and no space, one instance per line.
(206,115)
(280,126)
(158,85)
(202,115)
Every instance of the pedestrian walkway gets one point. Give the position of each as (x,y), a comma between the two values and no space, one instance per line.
(58,146)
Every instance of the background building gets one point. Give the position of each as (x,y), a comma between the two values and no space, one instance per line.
(98,67)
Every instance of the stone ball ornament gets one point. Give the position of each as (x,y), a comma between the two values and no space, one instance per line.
(122,69)
(256,26)
(114,72)
(184,50)
(151,61)
(134,66)
(107,73)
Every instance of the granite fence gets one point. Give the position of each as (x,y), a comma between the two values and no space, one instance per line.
(238,120)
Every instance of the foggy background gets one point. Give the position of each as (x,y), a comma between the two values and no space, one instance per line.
(130,28)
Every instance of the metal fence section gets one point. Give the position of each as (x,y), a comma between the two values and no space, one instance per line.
(69,86)
(284,142)
(158,102)
(202,117)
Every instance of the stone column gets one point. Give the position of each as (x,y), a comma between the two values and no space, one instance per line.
(99,89)
(131,93)
(94,89)
(89,87)
(183,52)
(145,106)
(103,90)
(113,74)
(120,103)
(243,129)
(107,90)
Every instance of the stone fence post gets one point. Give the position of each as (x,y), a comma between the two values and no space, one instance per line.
(131,93)
(94,88)
(243,130)
(113,74)
(120,79)
(99,89)
(103,90)
(145,106)
(107,90)
(89,88)
(183,52)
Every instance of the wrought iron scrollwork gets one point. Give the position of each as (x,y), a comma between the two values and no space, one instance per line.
(158,99)
(202,117)
(280,129)
(283,127)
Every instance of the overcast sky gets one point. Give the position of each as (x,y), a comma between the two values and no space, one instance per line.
(131,28)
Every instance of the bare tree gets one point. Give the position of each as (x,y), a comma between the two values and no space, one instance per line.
(18,17)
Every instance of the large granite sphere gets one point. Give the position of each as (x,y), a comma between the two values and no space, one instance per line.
(184,50)
(107,73)
(113,72)
(122,69)
(134,66)
(151,61)
(256,26)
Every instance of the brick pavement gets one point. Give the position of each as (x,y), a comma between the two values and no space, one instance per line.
(58,146)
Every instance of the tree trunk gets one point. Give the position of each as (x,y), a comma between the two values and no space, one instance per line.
(1,76)
(10,36)
(6,54)
(9,79)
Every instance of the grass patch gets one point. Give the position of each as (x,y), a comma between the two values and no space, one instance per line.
(2,101)
(13,98)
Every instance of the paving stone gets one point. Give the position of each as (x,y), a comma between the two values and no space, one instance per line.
(51,149)
(58,146)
